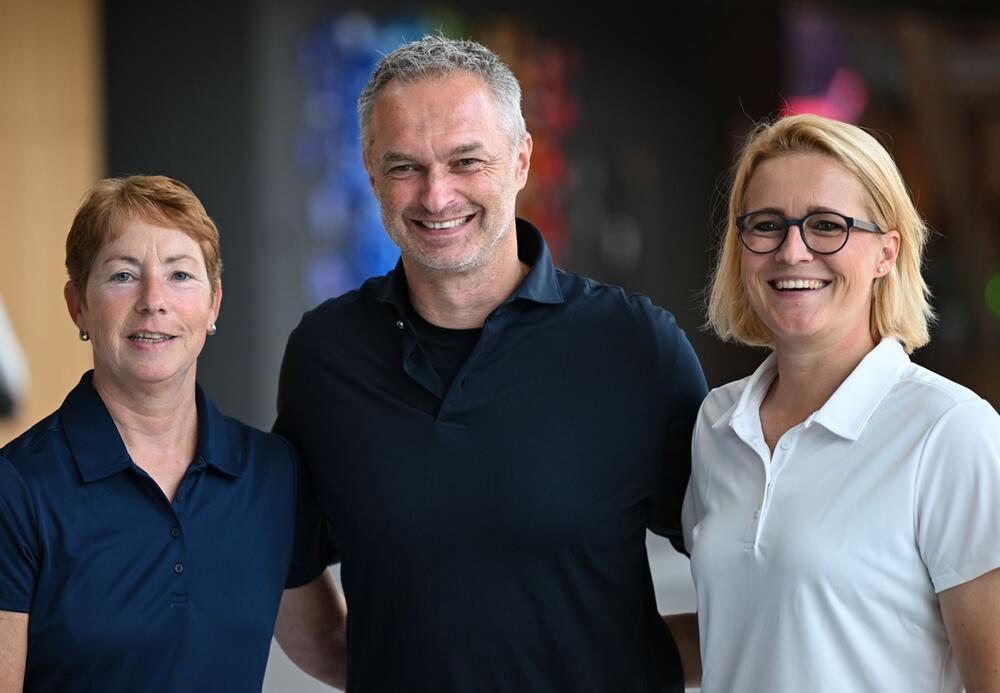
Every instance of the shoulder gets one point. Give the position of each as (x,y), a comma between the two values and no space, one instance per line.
(720,401)
(954,433)
(942,406)
(329,313)
(40,451)
(340,320)
(256,444)
(606,302)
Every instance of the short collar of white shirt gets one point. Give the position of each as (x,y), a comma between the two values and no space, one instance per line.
(849,407)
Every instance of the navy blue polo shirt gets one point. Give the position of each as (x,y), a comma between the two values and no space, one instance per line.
(492,533)
(126,591)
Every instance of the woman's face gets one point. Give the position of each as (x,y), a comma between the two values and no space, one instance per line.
(149,306)
(831,307)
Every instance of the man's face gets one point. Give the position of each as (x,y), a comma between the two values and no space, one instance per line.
(443,171)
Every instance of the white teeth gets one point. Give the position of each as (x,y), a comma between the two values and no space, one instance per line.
(784,284)
(149,337)
(438,225)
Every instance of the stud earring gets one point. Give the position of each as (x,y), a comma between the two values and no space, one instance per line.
(211,329)
(84,335)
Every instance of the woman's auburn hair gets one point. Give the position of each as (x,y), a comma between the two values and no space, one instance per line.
(113,202)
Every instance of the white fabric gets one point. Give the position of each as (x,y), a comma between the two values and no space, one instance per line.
(817,569)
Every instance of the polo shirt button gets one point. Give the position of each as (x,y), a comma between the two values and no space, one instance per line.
(178,568)
(756,514)
(399,325)
(175,531)
(785,445)
(179,497)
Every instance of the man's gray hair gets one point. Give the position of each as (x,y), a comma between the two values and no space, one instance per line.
(435,56)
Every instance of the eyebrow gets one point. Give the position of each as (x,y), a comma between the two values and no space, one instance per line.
(135,261)
(392,157)
(812,209)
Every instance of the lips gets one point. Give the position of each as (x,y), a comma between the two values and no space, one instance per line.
(143,337)
(443,225)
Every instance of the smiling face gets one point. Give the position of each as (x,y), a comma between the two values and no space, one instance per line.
(443,171)
(149,305)
(806,299)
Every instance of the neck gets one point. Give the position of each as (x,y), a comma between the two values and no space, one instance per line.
(463,300)
(809,374)
(158,414)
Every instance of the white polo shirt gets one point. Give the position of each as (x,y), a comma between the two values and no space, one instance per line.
(818,569)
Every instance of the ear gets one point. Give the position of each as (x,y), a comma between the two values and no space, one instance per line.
(216,300)
(523,161)
(888,253)
(74,304)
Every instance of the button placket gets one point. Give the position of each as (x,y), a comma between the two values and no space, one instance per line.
(784,448)
(179,563)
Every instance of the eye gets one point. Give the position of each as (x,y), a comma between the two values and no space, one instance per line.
(826,225)
(402,168)
(121,277)
(181,276)
(764,224)
(468,164)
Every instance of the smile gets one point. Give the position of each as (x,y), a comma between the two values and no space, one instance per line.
(441,225)
(798,284)
(150,337)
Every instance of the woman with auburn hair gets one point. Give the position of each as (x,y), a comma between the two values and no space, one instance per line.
(145,538)
(841,514)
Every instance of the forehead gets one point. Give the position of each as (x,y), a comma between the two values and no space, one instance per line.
(794,183)
(139,237)
(457,107)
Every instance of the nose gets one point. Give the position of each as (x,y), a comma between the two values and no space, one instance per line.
(151,295)
(794,249)
(437,193)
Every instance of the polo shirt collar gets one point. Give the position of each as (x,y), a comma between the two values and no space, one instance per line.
(216,444)
(540,285)
(98,448)
(848,409)
(744,415)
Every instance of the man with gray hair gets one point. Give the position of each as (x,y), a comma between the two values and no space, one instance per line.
(488,437)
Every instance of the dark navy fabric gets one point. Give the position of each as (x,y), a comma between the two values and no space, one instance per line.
(492,533)
(129,592)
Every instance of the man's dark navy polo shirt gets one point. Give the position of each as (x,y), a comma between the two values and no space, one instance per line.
(129,592)
(492,536)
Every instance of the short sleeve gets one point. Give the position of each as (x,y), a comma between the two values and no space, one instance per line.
(19,551)
(313,548)
(958,494)
(684,388)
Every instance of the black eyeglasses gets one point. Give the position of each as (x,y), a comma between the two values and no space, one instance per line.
(822,232)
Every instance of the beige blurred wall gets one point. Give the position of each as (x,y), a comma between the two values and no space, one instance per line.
(50,154)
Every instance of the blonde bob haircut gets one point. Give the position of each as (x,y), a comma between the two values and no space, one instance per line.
(900,301)
(159,200)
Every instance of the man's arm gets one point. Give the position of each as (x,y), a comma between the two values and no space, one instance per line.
(13,650)
(684,629)
(312,629)
(971,613)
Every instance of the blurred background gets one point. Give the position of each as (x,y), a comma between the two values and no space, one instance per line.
(635,122)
